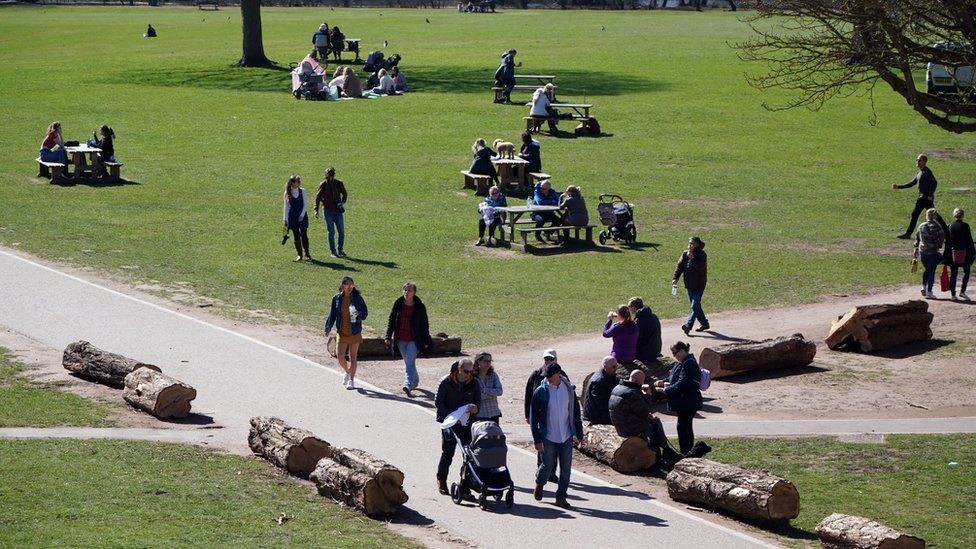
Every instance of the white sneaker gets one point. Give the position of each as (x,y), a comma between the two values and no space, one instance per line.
(345,379)
(929,295)
(963,296)
(351,384)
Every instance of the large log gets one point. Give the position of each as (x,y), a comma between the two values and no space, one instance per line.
(158,394)
(443,344)
(389,477)
(755,495)
(354,488)
(878,327)
(626,455)
(839,531)
(90,362)
(296,450)
(741,358)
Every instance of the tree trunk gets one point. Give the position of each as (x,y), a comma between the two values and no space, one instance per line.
(740,358)
(389,478)
(840,531)
(296,450)
(625,455)
(158,394)
(253,50)
(754,495)
(355,488)
(90,362)
(878,327)
(443,344)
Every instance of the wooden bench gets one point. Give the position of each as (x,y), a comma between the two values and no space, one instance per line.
(529,120)
(53,170)
(535,177)
(500,90)
(479,182)
(575,228)
(208,4)
(113,169)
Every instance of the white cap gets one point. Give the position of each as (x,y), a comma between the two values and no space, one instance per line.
(549,353)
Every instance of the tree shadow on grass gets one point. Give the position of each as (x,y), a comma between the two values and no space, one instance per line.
(276,78)
(570,84)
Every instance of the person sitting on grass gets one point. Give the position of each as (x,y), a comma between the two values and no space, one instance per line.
(596,400)
(399,80)
(531,152)
(386,85)
(490,216)
(481,164)
(52,148)
(338,78)
(630,413)
(351,85)
(545,196)
(150,32)
(624,333)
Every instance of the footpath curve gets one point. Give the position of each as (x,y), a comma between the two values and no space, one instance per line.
(238,376)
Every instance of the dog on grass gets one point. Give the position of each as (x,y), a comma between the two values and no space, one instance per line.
(504,148)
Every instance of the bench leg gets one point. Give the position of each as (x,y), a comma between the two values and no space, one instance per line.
(589,236)
(468,182)
(43,171)
(482,188)
(114,171)
(525,241)
(57,174)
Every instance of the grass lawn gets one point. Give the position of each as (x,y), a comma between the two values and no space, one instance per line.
(25,403)
(112,494)
(793,205)
(906,483)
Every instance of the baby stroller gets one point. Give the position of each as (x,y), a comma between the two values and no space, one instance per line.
(308,80)
(483,469)
(617,215)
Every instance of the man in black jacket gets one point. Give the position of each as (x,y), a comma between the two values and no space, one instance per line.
(596,400)
(630,412)
(648,330)
(693,264)
(926,193)
(457,389)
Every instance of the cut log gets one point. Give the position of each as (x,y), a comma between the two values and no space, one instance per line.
(90,362)
(879,327)
(158,394)
(375,346)
(389,477)
(839,531)
(755,495)
(741,358)
(626,455)
(296,450)
(354,488)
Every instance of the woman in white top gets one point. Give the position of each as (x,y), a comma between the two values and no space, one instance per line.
(387,86)
(541,108)
(296,215)
(338,77)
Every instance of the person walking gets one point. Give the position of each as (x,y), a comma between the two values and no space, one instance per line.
(347,313)
(458,388)
(683,389)
(693,264)
(926,193)
(505,75)
(535,379)
(555,421)
(331,196)
(928,247)
(296,215)
(491,388)
(624,333)
(962,252)
(596,399)
(408,331)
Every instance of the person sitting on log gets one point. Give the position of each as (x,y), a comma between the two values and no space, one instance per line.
(458,388)
(631,415)
(596,400)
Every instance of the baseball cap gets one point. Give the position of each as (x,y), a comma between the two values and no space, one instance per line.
(549,353)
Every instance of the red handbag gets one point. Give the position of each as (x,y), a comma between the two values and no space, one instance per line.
(945,278)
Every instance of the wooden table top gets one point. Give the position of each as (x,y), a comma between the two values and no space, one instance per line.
(515,160)
(535,76)
(571,105)
(524,209)
(82,149)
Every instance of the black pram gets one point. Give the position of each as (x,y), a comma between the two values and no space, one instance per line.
(484,469)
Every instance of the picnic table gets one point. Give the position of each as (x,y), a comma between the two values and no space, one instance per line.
(511,170)
(542,79)
(514,213)
(78,158)
(582,110)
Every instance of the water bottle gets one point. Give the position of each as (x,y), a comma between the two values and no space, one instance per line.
(528,202)
(674,289)
(353,314)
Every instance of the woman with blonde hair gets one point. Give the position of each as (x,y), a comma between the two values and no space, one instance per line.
(351,85)
(491,388)
(52,148)
(347,313)
(928,247)
(481,164)
(296,215)
(386,85)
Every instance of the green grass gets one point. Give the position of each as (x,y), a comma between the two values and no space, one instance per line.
(793,205)
(121,494)
(25,403)
(906,483)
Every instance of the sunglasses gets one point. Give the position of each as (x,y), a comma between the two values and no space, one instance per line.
(467,371)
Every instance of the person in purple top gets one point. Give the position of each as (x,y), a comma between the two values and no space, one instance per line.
(624,334)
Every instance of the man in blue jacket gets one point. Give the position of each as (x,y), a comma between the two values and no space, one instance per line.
(505,75)
(555,421)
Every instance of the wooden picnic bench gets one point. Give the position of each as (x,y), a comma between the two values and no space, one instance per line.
(208,4)
(53,170)
(352,44)
(114,169)
(500,90)
(477,181)
(581,112)
(525,232)
(535,177)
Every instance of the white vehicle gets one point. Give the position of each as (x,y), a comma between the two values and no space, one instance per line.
(946,79)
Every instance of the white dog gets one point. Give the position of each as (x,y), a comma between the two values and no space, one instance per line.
(504,148)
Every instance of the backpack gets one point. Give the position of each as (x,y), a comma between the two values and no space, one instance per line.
(589,126)
(706,379)
(374,62)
